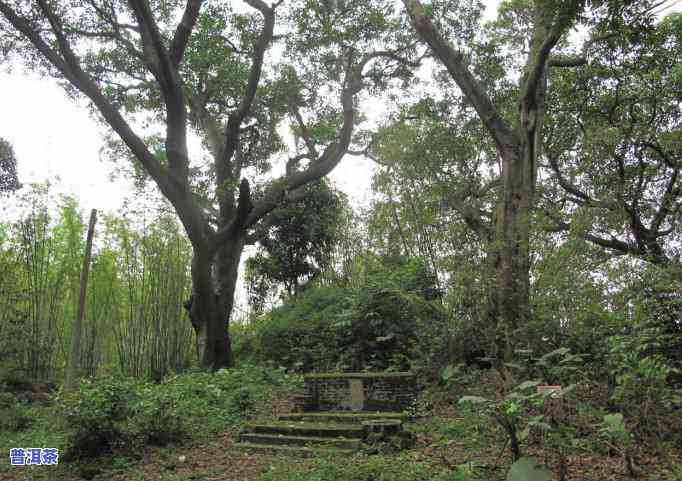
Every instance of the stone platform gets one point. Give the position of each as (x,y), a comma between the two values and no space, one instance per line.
(331,411)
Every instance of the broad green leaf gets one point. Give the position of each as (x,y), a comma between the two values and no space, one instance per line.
(562,351)
(473,400)
(528,469)
(614,421)
(448,373)
(526,385)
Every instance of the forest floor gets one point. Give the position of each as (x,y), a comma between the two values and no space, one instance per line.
(452,443)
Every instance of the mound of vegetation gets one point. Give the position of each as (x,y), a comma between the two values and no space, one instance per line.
(391,318)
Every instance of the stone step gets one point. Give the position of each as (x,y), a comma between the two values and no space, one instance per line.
(310,441)
(296,428)
(304,451)
(342,416)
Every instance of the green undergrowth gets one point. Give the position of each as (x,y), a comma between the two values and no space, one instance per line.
(118,416)
(357,468)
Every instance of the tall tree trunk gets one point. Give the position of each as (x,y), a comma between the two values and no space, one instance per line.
(214,280)
(228,261)
(74,356)
(513,257)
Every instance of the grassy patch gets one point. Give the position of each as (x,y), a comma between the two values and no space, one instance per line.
(358,468)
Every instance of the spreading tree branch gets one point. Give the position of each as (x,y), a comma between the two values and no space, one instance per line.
(232,129)
(166,74)
(66,62)
(285,188)
(454,63)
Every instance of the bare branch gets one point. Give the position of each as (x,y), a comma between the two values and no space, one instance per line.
(293,162)
(304,132)
(566,61)
(393,55)
(671,194)
(537,69)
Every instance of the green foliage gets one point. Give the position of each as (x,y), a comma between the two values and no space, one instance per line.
(561,367)
(9,182)
(616,434)
(642,390)
(158,417)
(14,415)
(97,414)
(389,319)
(656,294)
(134,320)
(43,426)
(615,114)
(296,243)
(512,411)
(613,427)
(116,414)
(303,323)
(528,469)
(571,307)
(394,320)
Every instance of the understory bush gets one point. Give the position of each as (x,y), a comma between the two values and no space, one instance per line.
(304,323)
(97,416)
(115,414)
(14,415)
(642,391)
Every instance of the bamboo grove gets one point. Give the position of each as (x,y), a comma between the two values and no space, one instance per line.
(135,322)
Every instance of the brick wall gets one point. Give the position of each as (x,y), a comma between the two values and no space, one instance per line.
(370,392)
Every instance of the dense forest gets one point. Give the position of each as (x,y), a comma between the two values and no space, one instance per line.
(520,254)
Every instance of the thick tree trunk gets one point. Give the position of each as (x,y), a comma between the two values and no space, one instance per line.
(513,238)
(214,281)
(228,261)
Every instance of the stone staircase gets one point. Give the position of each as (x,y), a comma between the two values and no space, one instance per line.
(338,432)
(329,414)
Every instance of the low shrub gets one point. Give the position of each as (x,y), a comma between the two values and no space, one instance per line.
(14,416)
(117,415)
(390,319)
(96,416)
(157,419)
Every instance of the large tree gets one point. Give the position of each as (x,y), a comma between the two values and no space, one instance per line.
(440,161)
(166,68)
(517,138)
